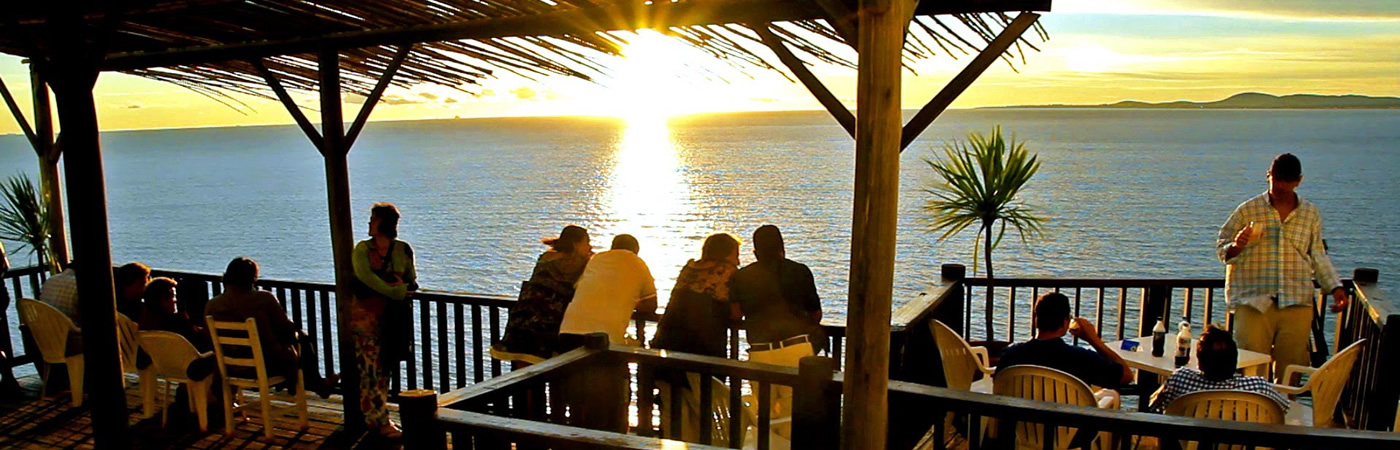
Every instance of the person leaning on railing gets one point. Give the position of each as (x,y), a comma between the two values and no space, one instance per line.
(380,317)
(613,285)
(1218,357)
(699,313)
(532,331)
(1100,367)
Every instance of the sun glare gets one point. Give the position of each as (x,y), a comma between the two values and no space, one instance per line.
(645,85)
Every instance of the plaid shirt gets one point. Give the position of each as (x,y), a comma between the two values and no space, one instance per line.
(1280,263)
(1187,380)
(61,292)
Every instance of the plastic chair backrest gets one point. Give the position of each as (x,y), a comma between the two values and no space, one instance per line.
(171,354)
(1226,404)
(128,342)
(1047,385)
(49,327)
(959,363)
(720,409)
(1327,382)
(233,336)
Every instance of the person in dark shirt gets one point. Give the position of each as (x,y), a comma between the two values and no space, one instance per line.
(777,296)
(162,314)
(131,280)
(1100,367)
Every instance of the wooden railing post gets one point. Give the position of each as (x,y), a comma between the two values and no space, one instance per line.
(952,310)
(418,409)
(816,418)
(1156,301)
(1379,404)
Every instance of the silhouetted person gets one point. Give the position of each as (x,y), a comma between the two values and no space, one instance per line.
(613,285)
(130,281)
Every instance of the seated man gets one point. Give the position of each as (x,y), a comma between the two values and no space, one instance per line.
(613,284)
(61,291)
(1100,367)
(130,281)
(284,346)
(1218,358)
(162,314)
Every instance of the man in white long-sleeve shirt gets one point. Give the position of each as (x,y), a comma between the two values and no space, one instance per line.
(1272,249)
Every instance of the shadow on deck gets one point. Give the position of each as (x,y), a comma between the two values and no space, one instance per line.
(27,421)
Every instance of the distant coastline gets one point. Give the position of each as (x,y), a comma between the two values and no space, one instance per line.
(1250,100)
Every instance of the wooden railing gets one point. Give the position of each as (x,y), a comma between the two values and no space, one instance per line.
(20,283)
(1372,393)
(511,410)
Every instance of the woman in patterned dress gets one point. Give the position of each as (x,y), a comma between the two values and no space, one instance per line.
(385,282)
(698,315)
(533,327)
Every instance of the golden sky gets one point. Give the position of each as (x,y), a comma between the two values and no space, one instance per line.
(1100,51)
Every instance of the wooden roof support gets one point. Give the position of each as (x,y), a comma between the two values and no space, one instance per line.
(335,150)
(875,217)
(843,19)
(49,155)
(964,79)
(629,16)
(19,115)
(291,106)
(375,94)
(832,104)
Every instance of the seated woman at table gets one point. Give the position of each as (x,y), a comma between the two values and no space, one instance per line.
(1218,358)
(162,313)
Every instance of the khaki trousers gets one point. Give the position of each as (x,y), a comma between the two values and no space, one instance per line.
(782,395)
(1282,333)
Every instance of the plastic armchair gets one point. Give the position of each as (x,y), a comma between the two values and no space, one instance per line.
(720,409)
(129,343)
(961,361)
(51,330)
(1326,385)
(1225,404)
(1050,385)
(233,371)
(171,355)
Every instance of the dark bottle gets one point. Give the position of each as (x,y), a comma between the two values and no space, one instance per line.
(1159,338)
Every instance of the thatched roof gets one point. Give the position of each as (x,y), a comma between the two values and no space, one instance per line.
(211,46)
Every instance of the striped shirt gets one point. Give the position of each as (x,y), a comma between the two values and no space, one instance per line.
(1187,380)
(1282,262)
(61,292)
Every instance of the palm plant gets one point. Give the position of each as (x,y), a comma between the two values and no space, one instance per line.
(981,185)
(24,218)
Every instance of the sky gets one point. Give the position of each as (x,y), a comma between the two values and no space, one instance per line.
(1099,51)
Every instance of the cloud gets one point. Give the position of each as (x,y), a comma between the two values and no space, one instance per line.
(428,95)
(450,100)
(524,93)
(1302,9)
(134,106)
(355,99)
(396,99)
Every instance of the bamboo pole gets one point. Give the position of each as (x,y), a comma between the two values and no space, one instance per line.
(73,80)
(51,185)
(874,220)
(342,229)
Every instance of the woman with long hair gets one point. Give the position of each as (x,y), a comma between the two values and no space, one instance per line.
(533,327)
(699,312)
(385,281)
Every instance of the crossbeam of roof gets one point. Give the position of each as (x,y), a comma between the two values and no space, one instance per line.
(632,16)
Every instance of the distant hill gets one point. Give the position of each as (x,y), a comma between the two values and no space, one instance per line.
(1255,100)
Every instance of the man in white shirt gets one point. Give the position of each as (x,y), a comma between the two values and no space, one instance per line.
(614,284)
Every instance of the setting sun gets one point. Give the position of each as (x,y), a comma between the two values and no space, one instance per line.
(647,83)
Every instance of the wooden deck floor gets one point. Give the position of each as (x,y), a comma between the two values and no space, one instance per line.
(29,422)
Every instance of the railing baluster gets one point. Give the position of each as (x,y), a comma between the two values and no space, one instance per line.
(1186,309)
(425,336)
(1122,310)
(765,413)
(459,343)
(328,316)
(1047,441)
(495,336)
(707,415)
(674,404)
(478,356)
(736,411)
(646,398)
(1210,306)
(295,304)
(1011,317)
(1076,308)
(940,430)
(311,328)
(444,378)
(1098,308)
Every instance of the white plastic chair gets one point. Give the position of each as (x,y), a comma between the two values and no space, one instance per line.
(1226,404)
(171,355)
(720,410)
(1326,385)
(245,335)
(961,361)
(50,329)
(1048,385)
(129,343)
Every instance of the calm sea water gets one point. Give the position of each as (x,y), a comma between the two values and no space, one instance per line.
(1128,193)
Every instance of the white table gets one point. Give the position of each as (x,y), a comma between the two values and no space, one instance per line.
(1142,359)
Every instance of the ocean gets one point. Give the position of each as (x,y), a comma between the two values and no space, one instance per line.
(1127,193)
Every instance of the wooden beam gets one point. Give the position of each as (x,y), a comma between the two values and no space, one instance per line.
(375,94)
(843,19)
(291,106)
(342,229)
(49,155)
(833,105)
(19,116)
(969,74)
(629,16)
(875,217)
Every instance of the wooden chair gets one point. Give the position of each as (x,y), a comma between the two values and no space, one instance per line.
(1326,385)
(171,355)
(1049,385)
(961,361)
(1226,404)
(51,330)
(234,371)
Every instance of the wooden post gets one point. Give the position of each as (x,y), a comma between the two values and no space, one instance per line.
(49,154)
(74,72)
(342,228)
(874,219)
(953,311)
(418,409)
(815,405)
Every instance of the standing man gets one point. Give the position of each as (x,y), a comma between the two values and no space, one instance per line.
(1272,249)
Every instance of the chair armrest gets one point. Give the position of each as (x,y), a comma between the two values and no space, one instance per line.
(1290,390)
(982,359)
(1294,372)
